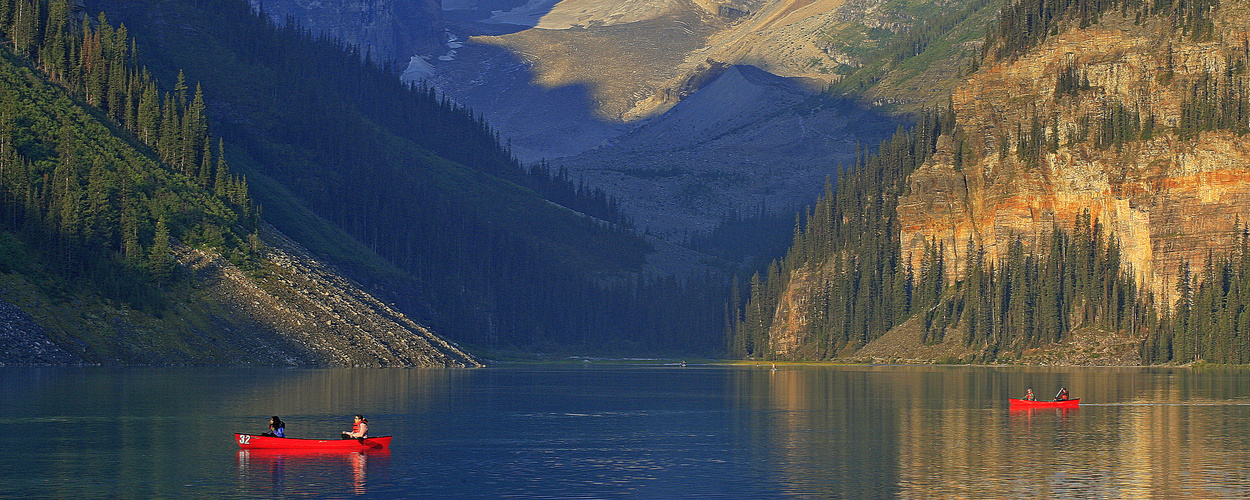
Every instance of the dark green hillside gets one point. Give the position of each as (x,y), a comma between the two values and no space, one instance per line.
(98,171)
(474,241)
(100,175)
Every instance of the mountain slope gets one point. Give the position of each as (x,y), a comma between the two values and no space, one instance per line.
(483,252)
(95,269)
(747,139)
(289,310)
(1084,191)
(581,83)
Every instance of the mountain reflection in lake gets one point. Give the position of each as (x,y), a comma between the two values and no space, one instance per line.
(598,431)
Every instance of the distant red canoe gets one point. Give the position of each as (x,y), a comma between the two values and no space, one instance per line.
(252,441)
(1024,403)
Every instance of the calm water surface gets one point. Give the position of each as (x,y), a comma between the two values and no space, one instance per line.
(641,431)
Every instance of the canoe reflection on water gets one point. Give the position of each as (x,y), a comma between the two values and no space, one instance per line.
(292,471)
(1054,414)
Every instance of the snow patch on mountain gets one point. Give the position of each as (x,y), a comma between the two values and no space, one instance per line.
(418,69)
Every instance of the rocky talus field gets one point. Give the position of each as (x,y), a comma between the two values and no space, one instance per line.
(320,313)
(291,310)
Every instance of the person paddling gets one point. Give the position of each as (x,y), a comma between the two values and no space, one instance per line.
(1063,394)
(360,428)
(277,428)
(1028,395)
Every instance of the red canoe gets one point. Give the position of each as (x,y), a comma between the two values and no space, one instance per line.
(252,441)
(1024,403)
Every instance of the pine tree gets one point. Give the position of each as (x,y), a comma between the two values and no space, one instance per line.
(221,180)
(160,261)
(149,114)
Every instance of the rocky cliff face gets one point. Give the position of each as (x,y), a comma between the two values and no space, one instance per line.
(389,30)
(1035,148)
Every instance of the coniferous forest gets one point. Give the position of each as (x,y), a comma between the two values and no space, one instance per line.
(851,233)
(484,249)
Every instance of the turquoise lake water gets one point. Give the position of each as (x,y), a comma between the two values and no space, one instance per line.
(611,431)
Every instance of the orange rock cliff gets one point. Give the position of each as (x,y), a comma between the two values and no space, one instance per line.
(1168,195)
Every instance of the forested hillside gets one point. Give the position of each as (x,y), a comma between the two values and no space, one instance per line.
(844,278)
(126,239)
(1086,178)
(484,249)
(99,205)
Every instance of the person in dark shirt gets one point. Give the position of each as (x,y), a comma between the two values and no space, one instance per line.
(277,428)
(1063,394)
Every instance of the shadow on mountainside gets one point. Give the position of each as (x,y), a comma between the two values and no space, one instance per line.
(740,139)
(536,121)
(747,141)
